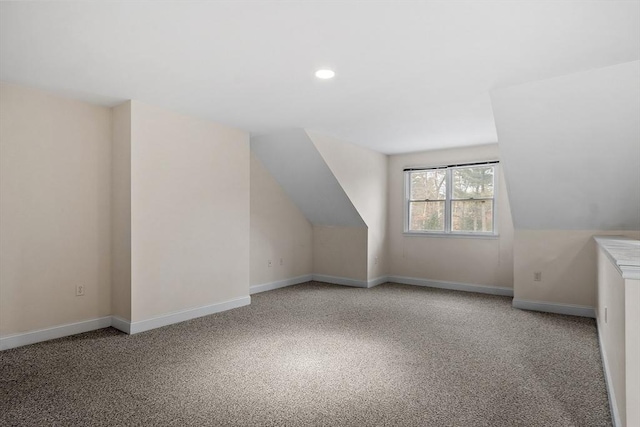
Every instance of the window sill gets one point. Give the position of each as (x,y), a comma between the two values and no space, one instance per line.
(452,235)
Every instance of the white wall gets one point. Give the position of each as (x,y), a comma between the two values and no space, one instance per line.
(362,174)
(618,315)
(611,294)
(476,261)
(189,212)
(55,160)
(296,165)
(571,150)
(279,231)
(632,348)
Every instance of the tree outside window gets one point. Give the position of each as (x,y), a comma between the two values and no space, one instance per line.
(459,199)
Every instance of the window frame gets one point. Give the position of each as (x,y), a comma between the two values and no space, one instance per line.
(448,232)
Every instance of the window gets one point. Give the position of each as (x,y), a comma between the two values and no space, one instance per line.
(455,199)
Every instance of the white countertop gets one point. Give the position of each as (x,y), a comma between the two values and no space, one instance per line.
(623,252)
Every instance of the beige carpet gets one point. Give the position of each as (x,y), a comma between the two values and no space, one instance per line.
(318,354)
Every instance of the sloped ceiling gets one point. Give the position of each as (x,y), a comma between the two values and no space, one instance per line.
(295,163)
(570,148)
(410,75)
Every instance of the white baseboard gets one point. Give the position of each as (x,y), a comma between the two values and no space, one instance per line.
(467,287)
(124,325)
(549,307)
(183,315)
(318,278)
(454,286)
(32,337)
(377,281)
(121,324)
(613,404)
(341,281)
(280,284)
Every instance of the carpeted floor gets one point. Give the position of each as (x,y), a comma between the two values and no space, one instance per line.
(318,354)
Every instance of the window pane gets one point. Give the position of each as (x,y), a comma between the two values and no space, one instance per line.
(475,182)
(426,216)
(428,184)
(472,216)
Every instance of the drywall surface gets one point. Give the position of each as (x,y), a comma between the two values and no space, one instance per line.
(121,212)
(632,341)
(611,294)
(280,233)
(363,175)
(476,260)
(340,252)
(189,212)
(571,150)
(55,157)
(296,165)
(567,260)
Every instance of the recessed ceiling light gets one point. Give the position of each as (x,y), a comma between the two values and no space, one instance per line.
(325,74)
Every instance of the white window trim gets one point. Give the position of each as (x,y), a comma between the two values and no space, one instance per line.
(447,210)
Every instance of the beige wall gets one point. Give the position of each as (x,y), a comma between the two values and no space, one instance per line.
(189,212)
(567,261)
(476,260)
(150,211)
(279,231)
(121,212)
(340,252)
(362,173)
(54,210)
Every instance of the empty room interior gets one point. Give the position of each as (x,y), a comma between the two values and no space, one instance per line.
(337,213)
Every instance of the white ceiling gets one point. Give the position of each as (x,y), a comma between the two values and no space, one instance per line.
(410,75)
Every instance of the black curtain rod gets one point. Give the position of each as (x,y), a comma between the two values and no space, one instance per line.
(452,166)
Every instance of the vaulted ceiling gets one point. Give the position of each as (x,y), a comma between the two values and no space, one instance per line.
(410,75)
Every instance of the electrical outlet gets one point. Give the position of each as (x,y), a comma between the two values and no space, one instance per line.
(80,290)
(376,261)
(537,276)
(281,261)
(269,263)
